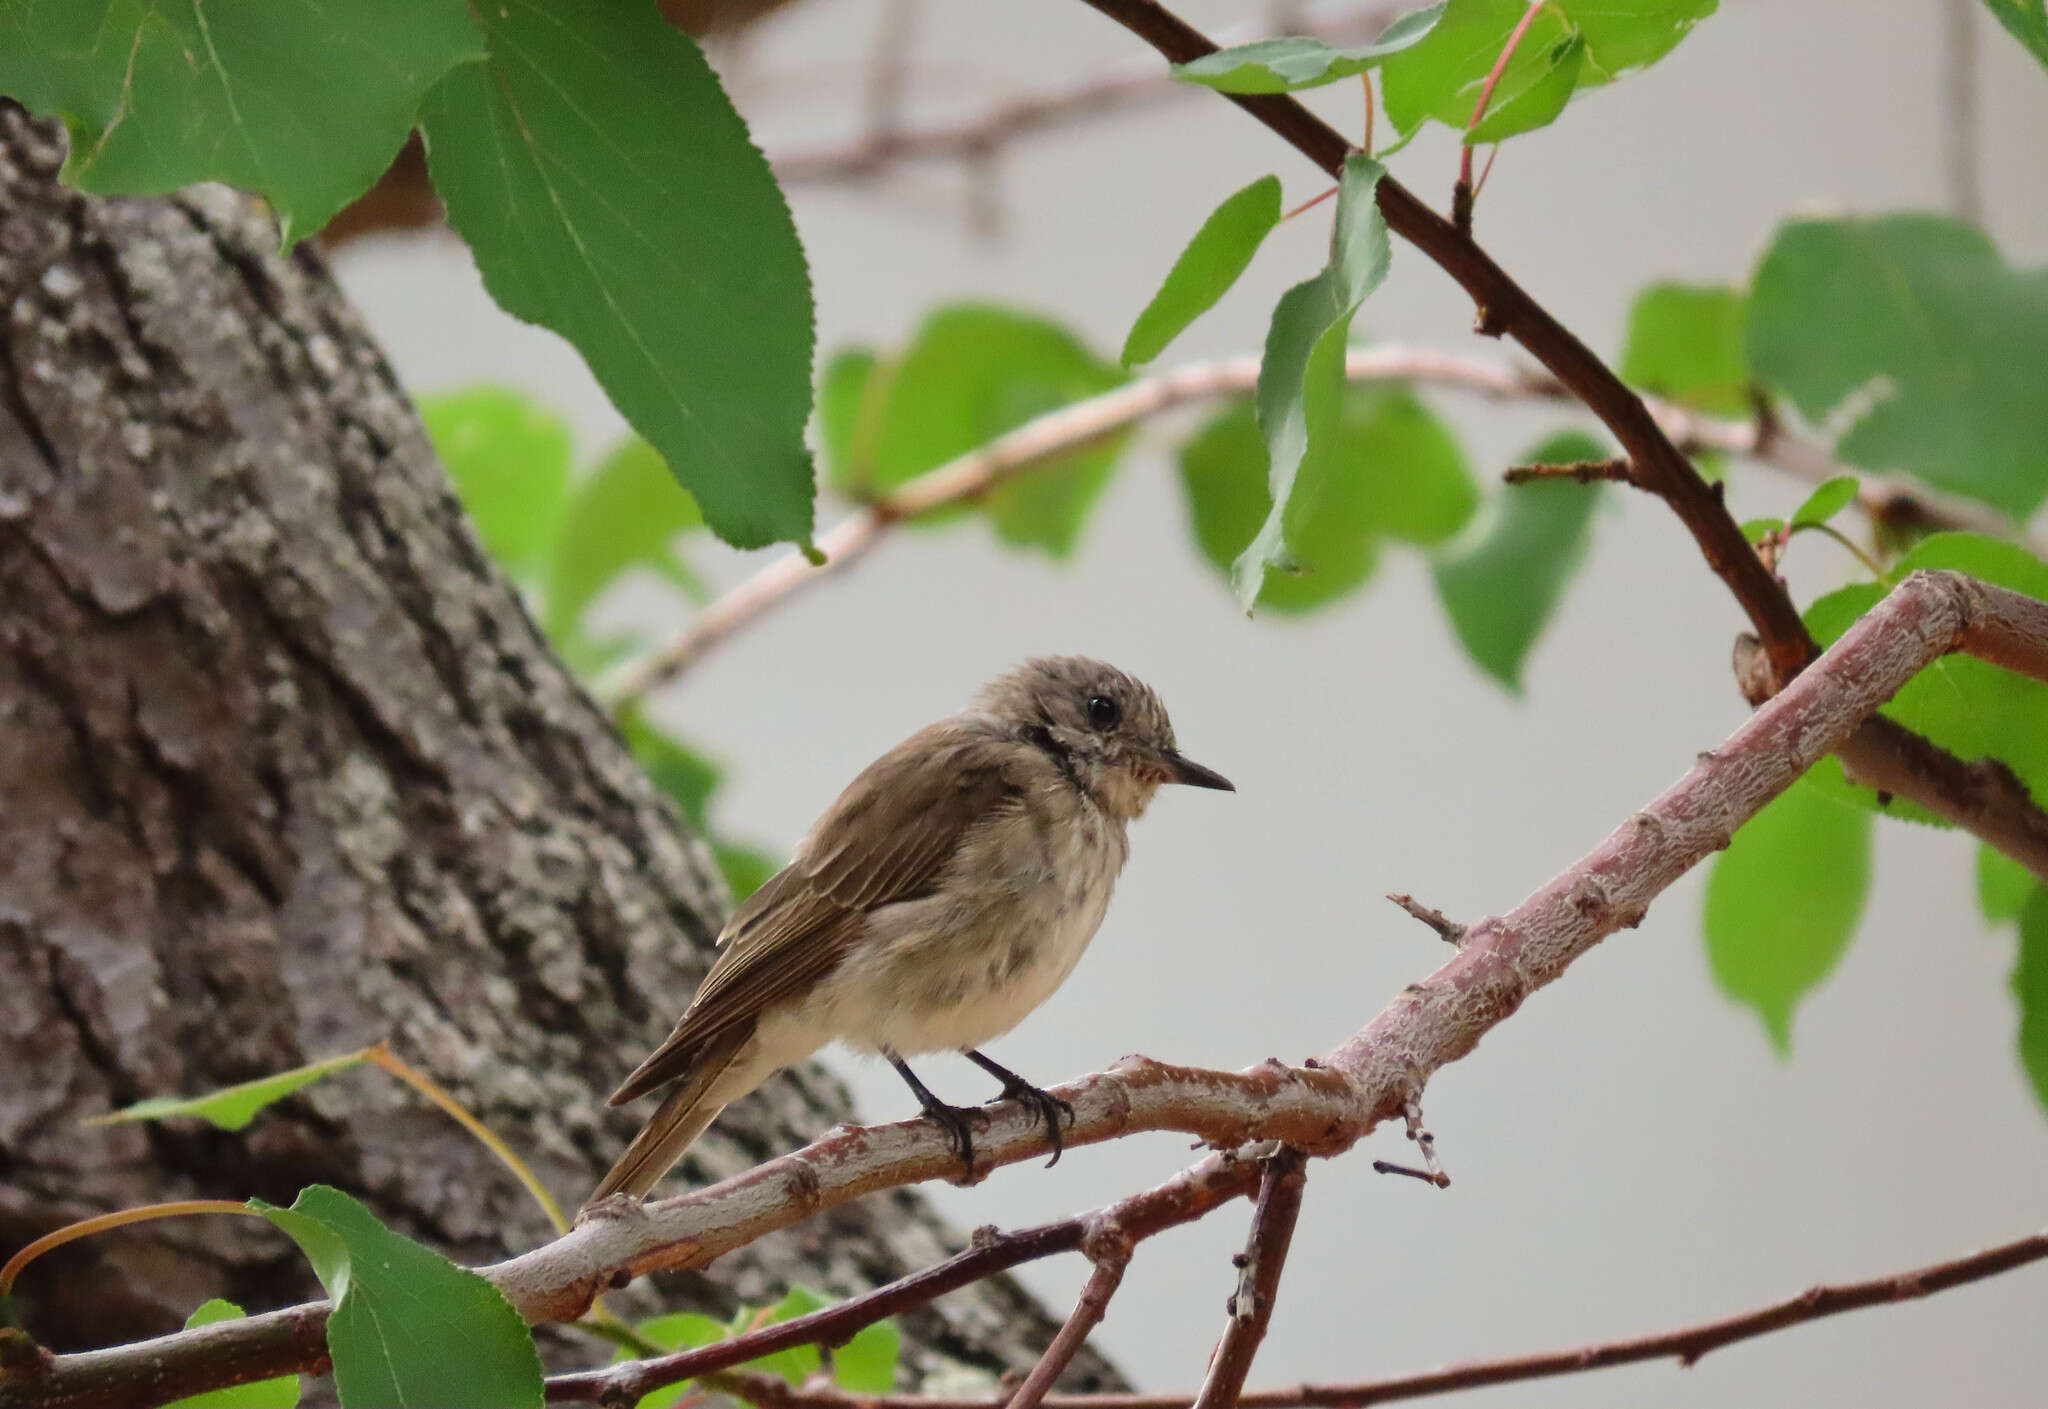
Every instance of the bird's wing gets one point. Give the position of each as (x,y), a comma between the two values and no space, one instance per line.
(888,838)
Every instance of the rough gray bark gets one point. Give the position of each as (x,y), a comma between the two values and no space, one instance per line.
(286,769)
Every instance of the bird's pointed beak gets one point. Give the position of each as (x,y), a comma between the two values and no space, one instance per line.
(1186,770)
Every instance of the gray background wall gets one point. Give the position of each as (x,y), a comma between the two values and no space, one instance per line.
(1627,1153)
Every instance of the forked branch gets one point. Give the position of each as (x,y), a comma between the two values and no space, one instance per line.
(1322,1108)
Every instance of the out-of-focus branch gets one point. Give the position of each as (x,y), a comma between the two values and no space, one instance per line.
(1685,1345)
(980,135)
(1258,1284)
(1059,433)
(1322,1108)
(1960,170)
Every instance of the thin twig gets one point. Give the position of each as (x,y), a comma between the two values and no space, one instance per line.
(1089,1309)
(1322,1109)
(1500,65)
(1685,1345)
(1584,471)
(1425,1143)
(1960,167)
(1448,930)
(1258,1285)
(891,68)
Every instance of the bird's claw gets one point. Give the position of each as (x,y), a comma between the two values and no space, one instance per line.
(958,1124)
(1049,1108)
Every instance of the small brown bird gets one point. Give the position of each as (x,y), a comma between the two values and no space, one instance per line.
(946,894)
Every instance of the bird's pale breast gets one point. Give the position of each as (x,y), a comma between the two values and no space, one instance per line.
(965,964)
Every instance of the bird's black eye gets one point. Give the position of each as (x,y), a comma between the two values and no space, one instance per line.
(1103,712)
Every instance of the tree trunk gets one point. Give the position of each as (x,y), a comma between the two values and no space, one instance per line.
(287,769)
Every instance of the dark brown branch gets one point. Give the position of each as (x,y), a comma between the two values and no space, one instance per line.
(1685,1345)
(1933,777)
(1258,1285)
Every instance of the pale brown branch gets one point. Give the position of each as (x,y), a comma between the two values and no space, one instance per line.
(1058,433)
(1258,1286)
(1322,1109)
(1685,1345)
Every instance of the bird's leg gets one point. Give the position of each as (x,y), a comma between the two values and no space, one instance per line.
(956,1121)
(1015,1088)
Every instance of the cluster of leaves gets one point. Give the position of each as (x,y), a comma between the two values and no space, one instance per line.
(408,1326)
(567,539)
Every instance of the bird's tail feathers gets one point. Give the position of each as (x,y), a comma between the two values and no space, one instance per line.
(684,1114)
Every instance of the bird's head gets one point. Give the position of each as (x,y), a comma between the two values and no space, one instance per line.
(1107,729)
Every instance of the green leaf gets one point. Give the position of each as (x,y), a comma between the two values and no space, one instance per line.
(628,513)
(680,1330)
(302,102)
(2030,986)
(1302,374)
(867,1363)
(1289,65)
(2026,21)
(745,868)
(1501,584)
(1973,709)
(1538,104)
(279,1393)
(799,1362)
(844,418)
(972,373)
(509,458)
(1219,252)
(610,193)
(1755,529)
(1442,76)
(408,1326)
(1386,467)
(1783,902)
(1834,495)
(1685,345)
(1909,338)
(2003,885)
(232,1107)
(688,777)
